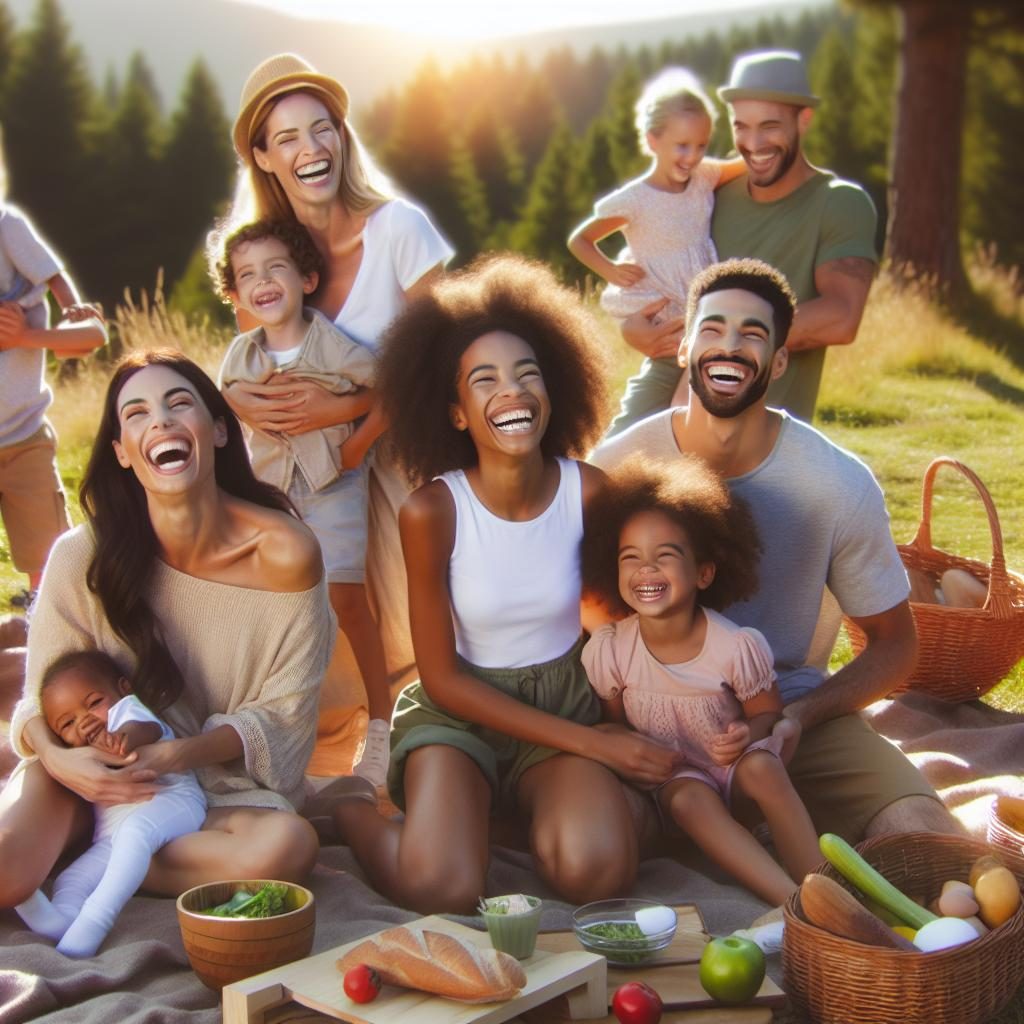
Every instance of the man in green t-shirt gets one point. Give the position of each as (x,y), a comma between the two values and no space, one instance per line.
(816,228)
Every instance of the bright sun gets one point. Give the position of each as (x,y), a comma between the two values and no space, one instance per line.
(486,18)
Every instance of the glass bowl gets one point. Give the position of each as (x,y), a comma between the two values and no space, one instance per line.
(593,922)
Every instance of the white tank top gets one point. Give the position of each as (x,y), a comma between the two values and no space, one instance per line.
(515,586)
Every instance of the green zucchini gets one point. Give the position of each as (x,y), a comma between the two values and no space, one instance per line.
(856,870)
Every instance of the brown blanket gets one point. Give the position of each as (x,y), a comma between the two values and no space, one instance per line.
(969,752)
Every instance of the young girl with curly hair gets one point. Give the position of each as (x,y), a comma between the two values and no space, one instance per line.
(495,386)
(673,547)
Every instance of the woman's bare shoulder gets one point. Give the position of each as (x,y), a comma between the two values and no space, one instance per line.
(284,549)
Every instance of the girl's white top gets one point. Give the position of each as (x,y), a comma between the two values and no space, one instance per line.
(668,234)
(515,586)
(400,245)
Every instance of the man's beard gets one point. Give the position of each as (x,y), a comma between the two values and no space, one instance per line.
(725,407)
(788,156)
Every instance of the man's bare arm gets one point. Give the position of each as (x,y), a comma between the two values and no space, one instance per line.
(834,316)
(885,662)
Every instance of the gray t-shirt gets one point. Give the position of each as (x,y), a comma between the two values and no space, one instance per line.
(822,521)
(25,261)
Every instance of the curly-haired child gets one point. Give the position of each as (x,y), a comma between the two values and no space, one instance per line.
(267,269)
(673,547)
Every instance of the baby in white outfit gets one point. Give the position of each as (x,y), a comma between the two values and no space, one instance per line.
(87,702)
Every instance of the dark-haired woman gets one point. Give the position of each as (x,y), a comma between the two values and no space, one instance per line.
(194,576)
(493,385)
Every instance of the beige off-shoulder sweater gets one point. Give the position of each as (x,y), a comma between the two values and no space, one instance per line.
(251,659)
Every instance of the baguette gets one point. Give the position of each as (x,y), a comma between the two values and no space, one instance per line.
(438,963)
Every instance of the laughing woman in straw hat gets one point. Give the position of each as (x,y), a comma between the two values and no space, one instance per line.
(304,162)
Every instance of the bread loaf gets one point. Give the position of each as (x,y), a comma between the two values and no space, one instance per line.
(438,963)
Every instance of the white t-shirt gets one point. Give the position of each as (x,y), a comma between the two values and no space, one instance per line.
(400,245)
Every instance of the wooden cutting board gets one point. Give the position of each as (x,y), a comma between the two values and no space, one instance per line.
(675,976)
(577,978)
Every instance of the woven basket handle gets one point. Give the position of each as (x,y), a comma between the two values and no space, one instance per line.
(997,600)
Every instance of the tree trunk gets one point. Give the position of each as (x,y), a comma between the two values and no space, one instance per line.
(924,195)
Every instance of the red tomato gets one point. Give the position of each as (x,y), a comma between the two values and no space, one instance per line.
(362,984)
(636,1003)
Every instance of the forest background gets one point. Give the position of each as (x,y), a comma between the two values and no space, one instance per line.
(510,151)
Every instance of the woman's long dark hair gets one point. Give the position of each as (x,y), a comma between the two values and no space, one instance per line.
(126,546)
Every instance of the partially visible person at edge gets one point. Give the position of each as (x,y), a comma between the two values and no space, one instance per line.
(304,162)
(495,386)
(822,518)
(816,228)
(31,495)
(198,579)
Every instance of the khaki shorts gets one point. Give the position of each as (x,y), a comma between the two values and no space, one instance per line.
(846,773)
(32,499)
(559,687)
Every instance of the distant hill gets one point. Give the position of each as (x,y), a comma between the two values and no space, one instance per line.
(232,36)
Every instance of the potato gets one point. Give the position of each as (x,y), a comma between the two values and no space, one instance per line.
(980,866)
(957,900)
(998,896)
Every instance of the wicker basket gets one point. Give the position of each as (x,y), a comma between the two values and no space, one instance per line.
(837,981)
(962,652)
(1006,824)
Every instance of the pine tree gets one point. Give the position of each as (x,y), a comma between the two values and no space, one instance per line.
(47,107)
(6,47)
(198,169)
(831,141)
(131,209)
(620,114)
(425,158)
(993,203)
(534,117)
(497,163)
(553,207)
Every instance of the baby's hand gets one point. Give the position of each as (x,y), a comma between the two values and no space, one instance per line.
(110,742)
(727,746)
(625,275)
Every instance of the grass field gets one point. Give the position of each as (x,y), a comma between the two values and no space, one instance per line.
(913,386)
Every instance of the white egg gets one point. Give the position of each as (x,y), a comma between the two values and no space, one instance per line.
(653,920)
(944,933)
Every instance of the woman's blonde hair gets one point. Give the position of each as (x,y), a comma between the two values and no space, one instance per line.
(363,186)
(672,92)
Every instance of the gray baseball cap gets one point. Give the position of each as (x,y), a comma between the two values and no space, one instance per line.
(778,76)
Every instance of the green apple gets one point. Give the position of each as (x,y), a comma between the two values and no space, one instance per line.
(732,969)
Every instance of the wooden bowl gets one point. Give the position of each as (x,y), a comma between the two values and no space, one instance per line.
(223,950)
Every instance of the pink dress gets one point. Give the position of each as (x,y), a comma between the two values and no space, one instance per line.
(684,706)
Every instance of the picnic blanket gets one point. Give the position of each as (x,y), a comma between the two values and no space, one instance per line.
(969,752)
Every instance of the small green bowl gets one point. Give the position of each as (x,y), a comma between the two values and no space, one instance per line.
(515,934)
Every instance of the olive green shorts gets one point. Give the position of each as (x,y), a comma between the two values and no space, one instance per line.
(559,687)
(846,773)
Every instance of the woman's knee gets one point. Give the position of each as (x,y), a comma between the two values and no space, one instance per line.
(441,884)
(286,849)
(585,864)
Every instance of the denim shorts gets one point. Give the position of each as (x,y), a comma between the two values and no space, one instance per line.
(337,516)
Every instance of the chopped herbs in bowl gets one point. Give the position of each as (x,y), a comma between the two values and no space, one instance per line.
(626,931)
(267,901)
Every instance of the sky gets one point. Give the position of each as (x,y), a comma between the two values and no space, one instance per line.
(485,18)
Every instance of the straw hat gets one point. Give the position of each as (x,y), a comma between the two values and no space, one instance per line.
(286,72)
(778,76)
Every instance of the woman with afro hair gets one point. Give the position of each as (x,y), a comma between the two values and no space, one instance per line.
(495,386)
